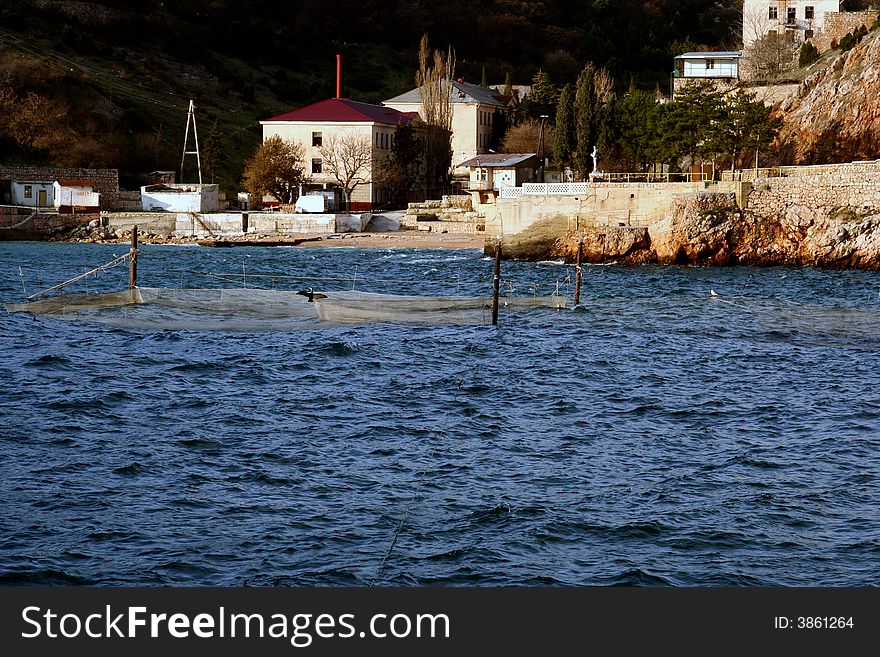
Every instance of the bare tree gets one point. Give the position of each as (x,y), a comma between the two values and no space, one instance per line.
(526,138)
(434,80)
(349,159)
(771,55)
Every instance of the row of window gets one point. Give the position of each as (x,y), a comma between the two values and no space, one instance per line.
(791,13)
(485,118)
(384,140)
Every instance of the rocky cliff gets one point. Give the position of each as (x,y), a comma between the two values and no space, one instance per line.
(710,229)
(835,114)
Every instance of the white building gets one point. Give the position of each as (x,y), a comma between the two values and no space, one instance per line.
(32,193)
(492,172)
(321,123)
(803,18)
(473,117)
(706,65)
(75,195)
(181,198)
(721,68)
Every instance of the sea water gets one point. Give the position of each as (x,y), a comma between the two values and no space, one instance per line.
(683,426)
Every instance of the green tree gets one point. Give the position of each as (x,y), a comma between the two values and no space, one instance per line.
(564,140)
(403,170)
(691,121)
(541,98)
(212,154)
(636,137)
(584,119)
(592,116)
(276,168)
(508,86)
(808,55)
(484,81)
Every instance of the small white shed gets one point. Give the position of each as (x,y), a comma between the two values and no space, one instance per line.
(75,195)
(32,193)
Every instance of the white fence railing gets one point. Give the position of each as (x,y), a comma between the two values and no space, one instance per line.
(582,188)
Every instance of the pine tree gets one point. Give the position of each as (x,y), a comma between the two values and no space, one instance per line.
(542,97)
(484,81)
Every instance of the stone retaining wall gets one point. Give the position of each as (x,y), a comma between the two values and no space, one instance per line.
(823,193)
(839,24)
(106,181)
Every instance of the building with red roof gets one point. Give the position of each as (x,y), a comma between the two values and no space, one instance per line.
(330,131)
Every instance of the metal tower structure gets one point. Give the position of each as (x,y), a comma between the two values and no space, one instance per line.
(191,119)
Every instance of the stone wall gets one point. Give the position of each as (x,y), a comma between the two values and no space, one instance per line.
(106,181)
(810,196)
(828,219)
(839,24)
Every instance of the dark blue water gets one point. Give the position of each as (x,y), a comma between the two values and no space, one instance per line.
(660,435)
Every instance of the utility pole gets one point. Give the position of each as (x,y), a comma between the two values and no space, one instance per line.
(541,146)
(191,119)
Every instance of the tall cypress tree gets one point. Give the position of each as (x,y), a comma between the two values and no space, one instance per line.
(584,119)
(564,141)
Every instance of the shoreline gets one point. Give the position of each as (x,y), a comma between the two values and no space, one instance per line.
(385,240)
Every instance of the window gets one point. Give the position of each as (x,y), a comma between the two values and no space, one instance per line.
(809,13)
(317,139)
(808,34)
(710,64)
(791,15)
(317,165)
(28,191)
(772,14)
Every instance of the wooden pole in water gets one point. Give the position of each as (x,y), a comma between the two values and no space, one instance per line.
(496,283)
(577,273)
(133,264)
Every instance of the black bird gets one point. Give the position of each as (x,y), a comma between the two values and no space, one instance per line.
(310,293)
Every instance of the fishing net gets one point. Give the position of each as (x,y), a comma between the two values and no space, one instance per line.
(250,309)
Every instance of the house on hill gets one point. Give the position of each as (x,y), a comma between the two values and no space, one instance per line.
(721,68)
(474,114)
(327,122)
(821,21)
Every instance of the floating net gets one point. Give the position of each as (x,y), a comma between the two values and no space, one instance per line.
(249,308)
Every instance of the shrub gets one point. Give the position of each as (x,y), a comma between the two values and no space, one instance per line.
(809,54)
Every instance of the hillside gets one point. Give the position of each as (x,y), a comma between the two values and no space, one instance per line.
(107,83)
(835,114)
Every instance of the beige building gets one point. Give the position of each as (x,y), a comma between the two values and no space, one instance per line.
(802,18)
(333,120)
(473,117)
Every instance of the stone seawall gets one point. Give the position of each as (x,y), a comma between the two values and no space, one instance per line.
(826,220)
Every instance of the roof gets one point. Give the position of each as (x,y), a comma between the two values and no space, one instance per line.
(461,92)
(497,160)
(724,54)
(344,110)
(74,183)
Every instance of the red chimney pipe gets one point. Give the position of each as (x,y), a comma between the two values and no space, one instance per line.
(338,75)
